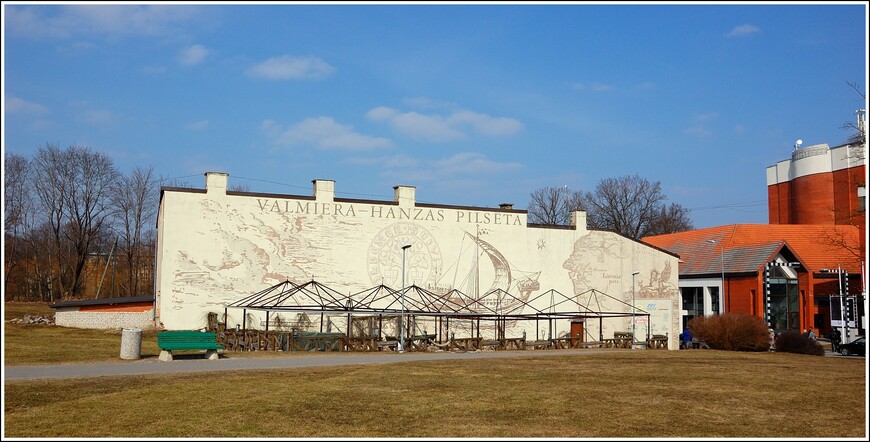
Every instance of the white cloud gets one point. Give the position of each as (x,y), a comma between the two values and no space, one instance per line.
(427,103)
(426,127)
(98,117)
(705,117)
(437,128)
(472,163)
(485,124)
(287,67)
(197,125)
(698,131)
(452,171)
(15,105)
(381,113)
(193,55)
(741,30)
(83,46)
(594,87)
(118,20)
(400,161)
(645,86)
(324,133)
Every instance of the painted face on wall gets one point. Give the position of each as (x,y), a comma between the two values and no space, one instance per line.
(593,258)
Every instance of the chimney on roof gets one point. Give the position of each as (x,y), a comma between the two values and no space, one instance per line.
(324,190)
(406,196)
(216,182)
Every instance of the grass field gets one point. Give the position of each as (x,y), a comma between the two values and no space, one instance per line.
(643,394)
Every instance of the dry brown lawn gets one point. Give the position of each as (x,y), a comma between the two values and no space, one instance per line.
(599,394)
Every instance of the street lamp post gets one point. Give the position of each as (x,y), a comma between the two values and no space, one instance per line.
(722,259)
(402,300)
(633,274)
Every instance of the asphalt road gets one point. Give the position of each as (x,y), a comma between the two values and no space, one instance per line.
(197,363)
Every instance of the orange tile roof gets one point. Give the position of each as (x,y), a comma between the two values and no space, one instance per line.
(747,247)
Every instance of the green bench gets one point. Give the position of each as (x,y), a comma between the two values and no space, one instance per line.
(187,340)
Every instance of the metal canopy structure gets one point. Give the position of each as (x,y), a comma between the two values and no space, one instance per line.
(496,305)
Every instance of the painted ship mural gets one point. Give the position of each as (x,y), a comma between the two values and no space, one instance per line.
(484,281)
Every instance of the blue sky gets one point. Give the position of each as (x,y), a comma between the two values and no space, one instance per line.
(474,104)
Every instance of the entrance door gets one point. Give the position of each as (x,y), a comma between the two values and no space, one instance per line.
(576,332)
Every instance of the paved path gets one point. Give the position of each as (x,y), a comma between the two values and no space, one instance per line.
(199,364)
(196,363)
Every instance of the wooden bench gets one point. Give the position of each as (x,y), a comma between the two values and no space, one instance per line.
(187,340)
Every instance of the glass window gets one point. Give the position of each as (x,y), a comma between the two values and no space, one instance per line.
(693,302)
(784,304)
(714,300)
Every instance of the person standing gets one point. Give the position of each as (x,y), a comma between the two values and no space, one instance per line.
(835,340)
(811,334)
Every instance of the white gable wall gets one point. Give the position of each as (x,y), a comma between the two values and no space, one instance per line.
(215,248)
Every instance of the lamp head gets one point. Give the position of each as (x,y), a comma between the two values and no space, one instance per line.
(405,246)
(636,272)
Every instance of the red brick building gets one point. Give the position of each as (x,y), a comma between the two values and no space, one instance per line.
(819,185)
(805,268)
(784,273)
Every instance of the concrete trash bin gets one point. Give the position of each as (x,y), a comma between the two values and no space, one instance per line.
(131,343)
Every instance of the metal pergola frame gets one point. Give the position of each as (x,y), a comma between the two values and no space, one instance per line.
(314,297)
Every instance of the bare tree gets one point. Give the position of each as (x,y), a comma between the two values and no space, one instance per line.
(634,207)
(135,199)
(16,208)
(857,216)
(553,205)
(48,167)
(671,219)
(239,187)
(73,188)
(858,127)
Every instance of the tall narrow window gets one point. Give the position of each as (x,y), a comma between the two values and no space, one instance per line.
(784,300)
(693,302)
(714,300)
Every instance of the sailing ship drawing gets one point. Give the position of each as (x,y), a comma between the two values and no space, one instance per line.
(482,279)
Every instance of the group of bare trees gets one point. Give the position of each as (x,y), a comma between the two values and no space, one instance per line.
(629,205)
(64,209)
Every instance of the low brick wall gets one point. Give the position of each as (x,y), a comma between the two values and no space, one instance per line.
(73,317)
(106,314)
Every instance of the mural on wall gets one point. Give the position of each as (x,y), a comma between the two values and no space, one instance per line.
(248,246)
(595,263)
(477,273)
(485,277)
(659,297)
(423,259)
(658,285)
(220,249)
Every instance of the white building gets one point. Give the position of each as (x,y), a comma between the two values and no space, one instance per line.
(217,246)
